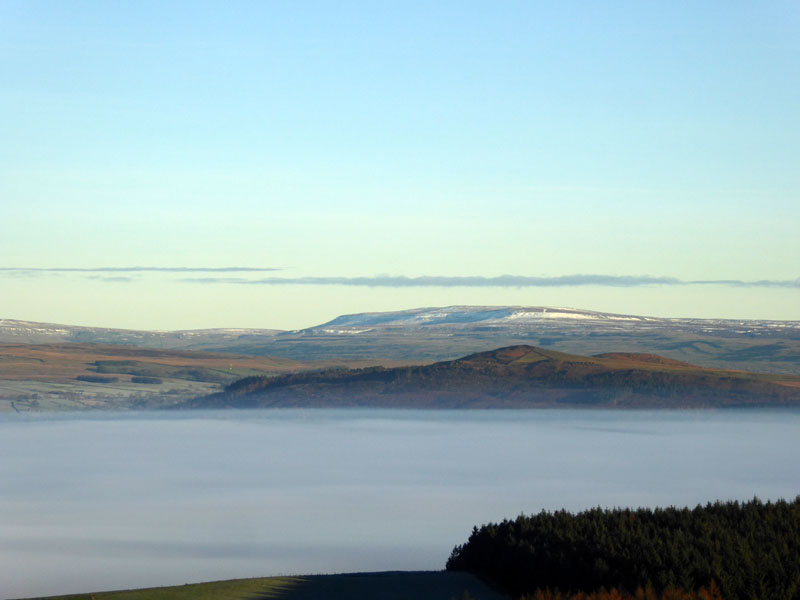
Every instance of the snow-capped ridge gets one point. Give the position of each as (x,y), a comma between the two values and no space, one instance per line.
(454,315)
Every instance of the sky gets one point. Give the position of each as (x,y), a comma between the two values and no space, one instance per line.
(276,164)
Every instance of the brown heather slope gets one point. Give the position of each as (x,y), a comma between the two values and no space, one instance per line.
(50,362)
(424,335)
(66,375)
(516,377)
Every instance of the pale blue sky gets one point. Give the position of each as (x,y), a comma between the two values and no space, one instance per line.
(450,139)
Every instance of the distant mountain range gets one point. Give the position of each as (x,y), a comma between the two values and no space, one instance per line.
(435,334)
(29,332)
(515,377)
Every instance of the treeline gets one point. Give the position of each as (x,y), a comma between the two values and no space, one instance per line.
(96,379)
(262,383)
(749,550)
(142,369)
(642,593)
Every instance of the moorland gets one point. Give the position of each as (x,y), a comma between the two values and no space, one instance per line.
(50,367)
(68,376)
(515,377)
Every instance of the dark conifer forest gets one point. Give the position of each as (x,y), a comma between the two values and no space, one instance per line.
(731,550)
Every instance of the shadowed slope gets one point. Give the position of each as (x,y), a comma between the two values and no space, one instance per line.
(389,586)
(515,377)
(393,585)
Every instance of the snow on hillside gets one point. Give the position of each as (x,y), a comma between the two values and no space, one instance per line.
(453,315)
(27,332)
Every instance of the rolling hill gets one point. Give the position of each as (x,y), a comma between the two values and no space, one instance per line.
(445,333)
(518,376)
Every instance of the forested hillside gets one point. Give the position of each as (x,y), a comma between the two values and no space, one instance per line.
(750,550)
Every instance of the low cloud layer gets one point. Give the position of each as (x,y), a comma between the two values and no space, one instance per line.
(33,270)
(500,281)
(218,276)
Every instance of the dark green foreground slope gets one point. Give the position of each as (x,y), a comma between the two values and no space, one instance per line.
(399,585)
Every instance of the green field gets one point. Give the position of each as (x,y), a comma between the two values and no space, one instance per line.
(400,585)
(234,589)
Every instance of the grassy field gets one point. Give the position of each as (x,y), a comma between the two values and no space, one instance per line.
(400,585)
(234,589)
